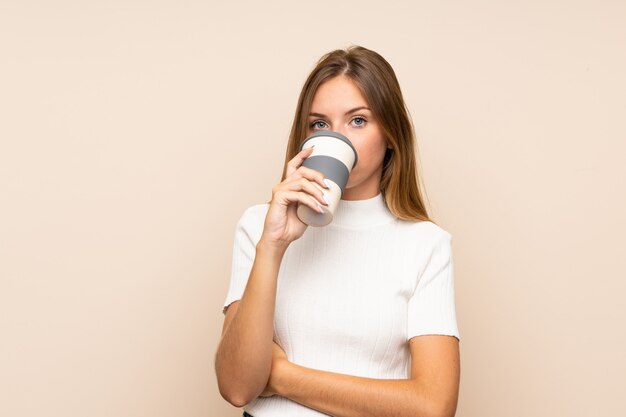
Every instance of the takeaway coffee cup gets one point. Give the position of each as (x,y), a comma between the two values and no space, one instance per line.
(334,156)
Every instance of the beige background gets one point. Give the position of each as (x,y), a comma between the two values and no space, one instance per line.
(134,134)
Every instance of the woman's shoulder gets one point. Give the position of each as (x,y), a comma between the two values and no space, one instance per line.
(253,216)
(426,230)
(256,210)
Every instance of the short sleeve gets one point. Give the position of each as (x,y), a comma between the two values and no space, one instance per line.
(247,234)
(431,309)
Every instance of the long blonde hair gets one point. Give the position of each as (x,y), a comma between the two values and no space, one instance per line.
(378,83)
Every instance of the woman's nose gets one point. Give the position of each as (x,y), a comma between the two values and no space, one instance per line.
(341,129)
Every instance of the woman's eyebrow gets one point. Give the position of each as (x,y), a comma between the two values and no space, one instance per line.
(356,109)
(346,113)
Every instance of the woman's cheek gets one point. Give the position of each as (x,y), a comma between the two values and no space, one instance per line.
(354,175)
(356,171)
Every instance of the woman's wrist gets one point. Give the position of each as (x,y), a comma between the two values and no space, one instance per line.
(273,249)
(282,376)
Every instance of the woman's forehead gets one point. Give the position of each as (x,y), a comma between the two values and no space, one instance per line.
(339,94)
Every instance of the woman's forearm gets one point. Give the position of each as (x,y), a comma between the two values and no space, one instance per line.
(342,395)
(244,355)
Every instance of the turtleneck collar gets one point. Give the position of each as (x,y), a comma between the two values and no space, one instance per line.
(361,214)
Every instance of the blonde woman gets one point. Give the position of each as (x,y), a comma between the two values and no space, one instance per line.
(356,318)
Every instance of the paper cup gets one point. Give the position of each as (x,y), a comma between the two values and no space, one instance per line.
(335,157)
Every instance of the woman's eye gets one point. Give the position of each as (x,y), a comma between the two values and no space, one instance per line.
(358,121)
(318,124)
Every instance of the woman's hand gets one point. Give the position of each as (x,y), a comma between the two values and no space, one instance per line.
(282,225)
(279,360)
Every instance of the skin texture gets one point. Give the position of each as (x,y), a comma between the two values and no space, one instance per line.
(249,363)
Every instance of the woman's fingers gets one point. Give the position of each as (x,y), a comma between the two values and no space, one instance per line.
(303,184)
(288,196)
(312,175)
(296,170)
(297,160)
(309,174)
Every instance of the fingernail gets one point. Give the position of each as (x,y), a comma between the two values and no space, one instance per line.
(326,199)
(320,208)
(327,182)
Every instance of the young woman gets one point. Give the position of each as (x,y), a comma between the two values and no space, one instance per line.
(356,318)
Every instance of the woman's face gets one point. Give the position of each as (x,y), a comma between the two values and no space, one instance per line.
(339,105)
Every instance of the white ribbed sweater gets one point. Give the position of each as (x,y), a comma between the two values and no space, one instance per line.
(351,294)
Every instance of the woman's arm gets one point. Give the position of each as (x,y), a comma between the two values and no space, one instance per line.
(432,390)
(244,355)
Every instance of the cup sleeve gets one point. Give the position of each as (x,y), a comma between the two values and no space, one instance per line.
(244,251)
(431,308)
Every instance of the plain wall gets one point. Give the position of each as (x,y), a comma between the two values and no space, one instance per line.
(133,135)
